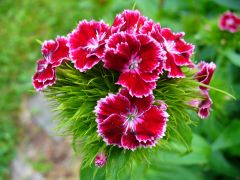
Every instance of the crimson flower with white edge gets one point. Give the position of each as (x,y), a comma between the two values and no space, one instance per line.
(86,44)
(229,21)
(130,122)
(139,60)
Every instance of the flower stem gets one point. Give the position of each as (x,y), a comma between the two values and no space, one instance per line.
(218,90)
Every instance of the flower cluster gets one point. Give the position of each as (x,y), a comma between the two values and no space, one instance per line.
(141,52)
(229,22)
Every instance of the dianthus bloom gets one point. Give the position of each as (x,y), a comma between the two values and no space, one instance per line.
(204,75)
(229,21)
(86,44)
(100,160)
(54,52)
(138,58)
(130,122)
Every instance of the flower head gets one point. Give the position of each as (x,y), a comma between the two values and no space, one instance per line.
(178,51)
(54,52)
(205,73)
(139,60)
(130,122)
(229,21)
(100,160)
(86,44)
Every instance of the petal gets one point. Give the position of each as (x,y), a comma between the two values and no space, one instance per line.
(205,106)
(149,143)
(150,53)
(82,61)
(112,104)
(172,68)
(55,51)
(41,65)
(182,47)
(129,21)
(129,141)
(61,53)
(142,104)
(169,35)
(135,84)
(42,85)
(152,124)
(182,59)
(111,129)
(46,74)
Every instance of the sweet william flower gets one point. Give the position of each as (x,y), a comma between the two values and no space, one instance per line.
(178,51)
(229,22)
(139,60)
(86,44)
(204,75)
(100,159)
(45,75)
(130,122)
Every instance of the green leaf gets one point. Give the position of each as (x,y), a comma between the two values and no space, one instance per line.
(233,57)
(229,137)
(219,164)
(233,4)
(199,154)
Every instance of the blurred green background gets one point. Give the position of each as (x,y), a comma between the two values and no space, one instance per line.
(216,141)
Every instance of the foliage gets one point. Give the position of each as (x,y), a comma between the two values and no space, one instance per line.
(22,22)
(75,95)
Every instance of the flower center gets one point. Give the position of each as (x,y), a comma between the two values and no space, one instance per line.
(133,65)
(229,22)
(94,42)
(131,117)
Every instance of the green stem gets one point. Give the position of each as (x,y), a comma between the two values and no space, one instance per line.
(218,90)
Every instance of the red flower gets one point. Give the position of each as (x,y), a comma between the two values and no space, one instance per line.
(128,21)
(130,122)
(45,75)
(204,76)
(205,106)
(230,22)
(100,160)
(86,44)
(178,51)
(205,73)
(55,51)
(139,59)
